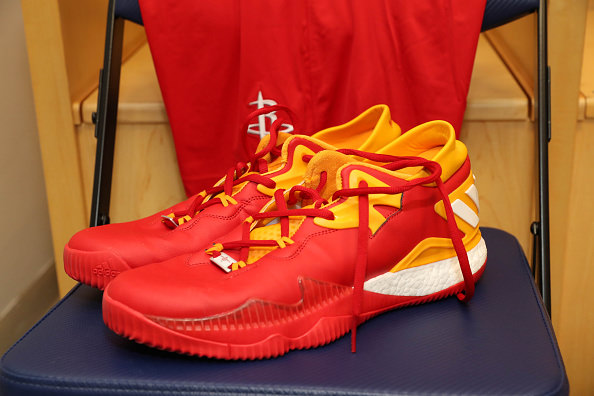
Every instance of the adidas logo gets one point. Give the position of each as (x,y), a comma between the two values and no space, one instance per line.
(464,211)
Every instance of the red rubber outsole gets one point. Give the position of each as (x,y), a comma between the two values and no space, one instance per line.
(95,269)
(135,326)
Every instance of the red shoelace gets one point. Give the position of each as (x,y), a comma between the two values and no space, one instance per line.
(282,212)
(362,191)
(242,172)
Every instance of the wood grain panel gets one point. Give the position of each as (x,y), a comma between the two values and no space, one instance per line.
(587,82)
(146,177)
(494,94)
(575,321)
(55,125)
(140,95)
(83,32)
(576,316)
(504,163)
(567,22)
(83,29)
(519,55)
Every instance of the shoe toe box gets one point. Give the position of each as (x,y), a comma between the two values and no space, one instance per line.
(175,288)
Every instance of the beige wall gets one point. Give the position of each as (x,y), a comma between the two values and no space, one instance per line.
(25,239)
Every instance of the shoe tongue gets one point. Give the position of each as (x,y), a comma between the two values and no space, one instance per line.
(281,138)
(288,170)
(330,162)
(297,151)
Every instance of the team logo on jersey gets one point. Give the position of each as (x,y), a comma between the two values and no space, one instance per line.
(265,120)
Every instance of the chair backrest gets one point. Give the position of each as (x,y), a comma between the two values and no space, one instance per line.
(129,10)
(500,12)
(497,12)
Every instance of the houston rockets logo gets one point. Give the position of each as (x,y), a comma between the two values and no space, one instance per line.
(265,120)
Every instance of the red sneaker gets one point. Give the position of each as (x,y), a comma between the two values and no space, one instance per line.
(96,255)
(371,239)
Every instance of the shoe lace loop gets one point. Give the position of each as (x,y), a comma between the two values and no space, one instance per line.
(282,199)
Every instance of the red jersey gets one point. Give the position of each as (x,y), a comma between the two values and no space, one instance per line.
(328,60)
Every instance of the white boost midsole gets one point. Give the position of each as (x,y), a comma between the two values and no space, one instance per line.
(428,278)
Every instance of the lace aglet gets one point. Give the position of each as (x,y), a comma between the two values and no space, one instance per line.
(464,297)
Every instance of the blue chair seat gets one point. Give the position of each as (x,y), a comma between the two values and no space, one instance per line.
(500,343)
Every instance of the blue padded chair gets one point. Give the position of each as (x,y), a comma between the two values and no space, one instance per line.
(500,343)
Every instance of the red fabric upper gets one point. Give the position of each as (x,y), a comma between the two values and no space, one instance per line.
(328,60)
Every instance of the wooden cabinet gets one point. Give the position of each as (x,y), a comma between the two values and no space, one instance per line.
(574,320)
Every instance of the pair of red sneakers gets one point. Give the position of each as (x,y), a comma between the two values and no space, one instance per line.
(297,247)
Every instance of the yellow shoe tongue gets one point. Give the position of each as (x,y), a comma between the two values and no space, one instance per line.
(328,162)
(282,136)
(296,153)
(291,144)
(270,232)
(325,161)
